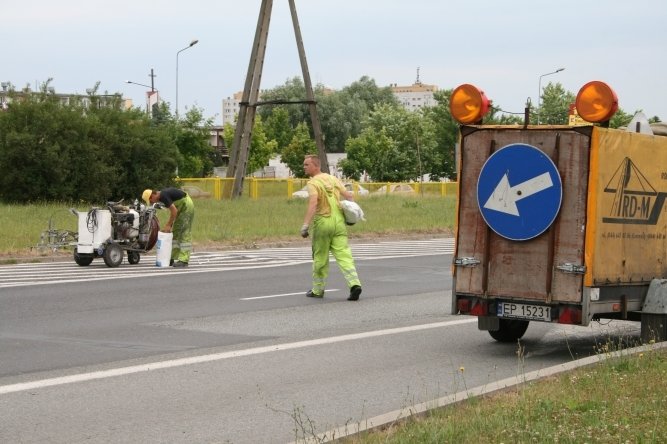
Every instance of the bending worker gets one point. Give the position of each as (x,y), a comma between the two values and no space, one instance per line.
(181,214)
(326,221)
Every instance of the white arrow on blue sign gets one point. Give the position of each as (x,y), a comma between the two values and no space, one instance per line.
(519,192)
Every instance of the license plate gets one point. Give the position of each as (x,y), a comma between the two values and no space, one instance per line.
(524,311)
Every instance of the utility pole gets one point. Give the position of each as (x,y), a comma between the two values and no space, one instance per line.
(152,76)
(238,159)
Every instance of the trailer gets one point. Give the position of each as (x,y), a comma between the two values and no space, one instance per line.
(559,224)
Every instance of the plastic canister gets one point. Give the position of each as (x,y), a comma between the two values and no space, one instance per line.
(163,249)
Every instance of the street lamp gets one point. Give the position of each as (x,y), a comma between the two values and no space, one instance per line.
(149,94)
(140,84)
(192,43)
(539,90)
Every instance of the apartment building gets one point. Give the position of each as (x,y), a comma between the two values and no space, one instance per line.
(416,96)
(231,108)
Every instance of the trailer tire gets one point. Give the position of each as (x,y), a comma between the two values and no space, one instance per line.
(113,255)
(82,260)
(510,330)
(133,257)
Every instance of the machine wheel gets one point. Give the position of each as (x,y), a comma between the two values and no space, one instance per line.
(133,257)
(510,330)
(82,260)
(113,255)
(155,229)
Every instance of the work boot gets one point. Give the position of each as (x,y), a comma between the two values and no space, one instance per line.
(355,291)
(179,264)
(312,294)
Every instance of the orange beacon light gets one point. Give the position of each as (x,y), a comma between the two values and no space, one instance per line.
(596,102)
(468,104)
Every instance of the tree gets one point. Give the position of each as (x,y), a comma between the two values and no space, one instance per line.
(139,154)
(396,145)
(80,153)
(301,145)
(261,148)
(191,135)
(446,136)
(620,119)
(292,90)
(369,152)
(340,118)
(340,112)
(555,106)
(366,90)
(278,127)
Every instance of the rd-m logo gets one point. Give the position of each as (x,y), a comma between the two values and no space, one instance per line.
(635,199)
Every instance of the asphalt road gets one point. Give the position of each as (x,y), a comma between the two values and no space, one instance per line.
(230,350)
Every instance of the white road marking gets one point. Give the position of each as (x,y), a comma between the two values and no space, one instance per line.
(329,290)
(68,272)
(160,365)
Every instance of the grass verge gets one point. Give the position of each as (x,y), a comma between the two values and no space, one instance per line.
(241,222)
(618,400)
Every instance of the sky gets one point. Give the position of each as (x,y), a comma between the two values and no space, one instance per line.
(504,48)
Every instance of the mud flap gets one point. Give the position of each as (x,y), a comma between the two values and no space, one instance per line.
(654,312)
(488,323)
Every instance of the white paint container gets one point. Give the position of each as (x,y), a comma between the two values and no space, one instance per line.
(163,249)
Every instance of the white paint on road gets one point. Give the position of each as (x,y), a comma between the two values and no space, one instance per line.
(103,374)
(300,293)
(21,275)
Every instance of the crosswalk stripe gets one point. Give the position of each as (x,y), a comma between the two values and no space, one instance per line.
(67,271)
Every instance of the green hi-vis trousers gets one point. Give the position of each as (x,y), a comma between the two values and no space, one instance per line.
(181,246)
(330,235)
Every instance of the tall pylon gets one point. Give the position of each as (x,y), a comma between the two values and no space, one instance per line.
(238,159)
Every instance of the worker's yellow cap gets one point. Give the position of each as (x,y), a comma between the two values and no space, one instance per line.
(146,196)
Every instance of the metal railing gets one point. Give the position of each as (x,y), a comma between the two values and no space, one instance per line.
(256,188)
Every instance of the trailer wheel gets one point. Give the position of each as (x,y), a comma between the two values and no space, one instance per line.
(133,257)
(82,260)
(113,255)
(510,330)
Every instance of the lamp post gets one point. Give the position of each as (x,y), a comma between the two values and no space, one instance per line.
(149,94)
(140,84)
(539,90)
(192,43)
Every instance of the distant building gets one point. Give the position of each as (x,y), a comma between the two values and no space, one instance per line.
(217,141)
(8,93)
(416,96)
(231,107)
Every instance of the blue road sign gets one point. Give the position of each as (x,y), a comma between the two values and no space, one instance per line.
(519,192)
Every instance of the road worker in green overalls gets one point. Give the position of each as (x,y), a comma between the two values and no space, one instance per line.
(181,215)
(326,222)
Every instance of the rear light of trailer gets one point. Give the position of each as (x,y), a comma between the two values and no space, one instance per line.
(463,305)
(474,307)
(468,104)
(569,315)
(479,308)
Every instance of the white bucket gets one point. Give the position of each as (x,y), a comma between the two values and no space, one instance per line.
(163,249)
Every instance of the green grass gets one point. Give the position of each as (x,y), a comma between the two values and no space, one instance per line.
(620,400)
(240,222)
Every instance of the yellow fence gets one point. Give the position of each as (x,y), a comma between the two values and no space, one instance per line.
(255,188)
